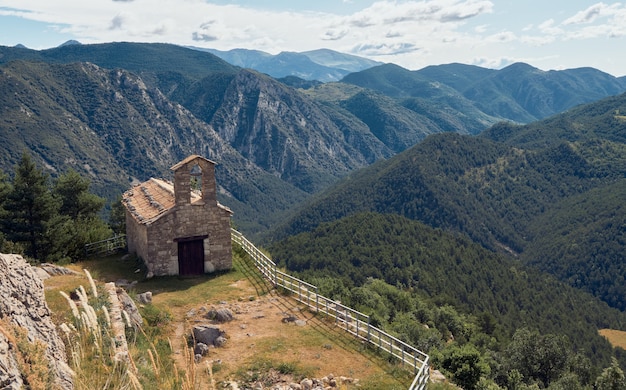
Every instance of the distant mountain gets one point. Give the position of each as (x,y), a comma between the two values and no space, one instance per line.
(139,58)
(528,93)
(322,65)
(458,76)
(334,59)
(519,92)
(603,119)
(69,43)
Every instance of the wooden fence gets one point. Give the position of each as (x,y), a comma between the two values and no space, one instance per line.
(352,321)
(107,246)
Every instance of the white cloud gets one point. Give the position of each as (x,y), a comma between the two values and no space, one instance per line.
(334,34)
(441,11)
(384,49)
(537,40)
(411,33)
(481,29)
(117,22)
(588,15)
(502,37)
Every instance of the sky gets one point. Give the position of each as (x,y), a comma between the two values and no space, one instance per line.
(547,34)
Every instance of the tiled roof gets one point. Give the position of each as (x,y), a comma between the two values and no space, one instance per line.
(150,199)
(189,159)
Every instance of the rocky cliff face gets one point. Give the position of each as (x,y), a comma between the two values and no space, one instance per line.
(23,305)
(291,136)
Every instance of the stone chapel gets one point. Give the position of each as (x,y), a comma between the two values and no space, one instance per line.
(179,228)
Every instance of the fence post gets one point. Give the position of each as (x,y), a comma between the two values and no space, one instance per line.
(275,281)
(317,301)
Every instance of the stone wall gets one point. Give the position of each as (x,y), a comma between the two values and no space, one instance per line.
(163,249)
(190,220)
(200,219)
(136,237)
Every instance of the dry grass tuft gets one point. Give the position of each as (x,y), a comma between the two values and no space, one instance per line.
(31,357)
(94,354)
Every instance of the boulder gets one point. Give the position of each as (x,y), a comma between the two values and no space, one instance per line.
(201,349)
(307,384)
(220,315)
(23,304)
(220,341)
(10,377)
(128,305)
(55,270)
(207,334)
(145,298)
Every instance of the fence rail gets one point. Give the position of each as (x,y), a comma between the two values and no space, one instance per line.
(107,246)
(352,321)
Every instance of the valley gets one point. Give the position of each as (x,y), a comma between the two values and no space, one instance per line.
(471,211)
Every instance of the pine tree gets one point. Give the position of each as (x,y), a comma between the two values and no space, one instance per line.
(117,216)
(76,200)
(30,206)
(77,222)
(5,189)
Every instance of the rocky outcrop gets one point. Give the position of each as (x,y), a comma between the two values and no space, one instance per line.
(10,376)
(23,305)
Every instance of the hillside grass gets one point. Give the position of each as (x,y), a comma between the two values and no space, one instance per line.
(617,338)
(162,352)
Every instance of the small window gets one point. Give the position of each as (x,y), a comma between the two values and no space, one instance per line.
(196,178)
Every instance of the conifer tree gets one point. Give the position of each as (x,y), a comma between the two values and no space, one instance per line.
(117,216)
(77,222)
(30,206)
(5,189)
(76,200)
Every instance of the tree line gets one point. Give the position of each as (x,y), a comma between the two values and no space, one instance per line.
(49,219)
(487,322)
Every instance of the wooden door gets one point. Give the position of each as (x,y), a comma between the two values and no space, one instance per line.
(191,257)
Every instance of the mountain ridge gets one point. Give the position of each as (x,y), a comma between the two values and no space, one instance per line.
(323,64)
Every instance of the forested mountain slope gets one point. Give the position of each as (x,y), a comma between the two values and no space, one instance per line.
(493,297)
(502,195)
(604,120)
